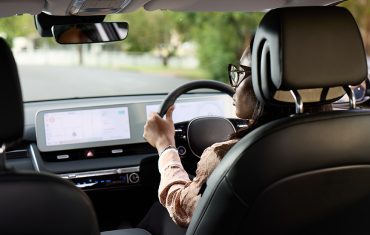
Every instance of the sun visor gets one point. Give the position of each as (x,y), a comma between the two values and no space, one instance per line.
(227,6)
(18,7)
(91,7)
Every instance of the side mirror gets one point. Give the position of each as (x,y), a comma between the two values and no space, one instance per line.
(90,32)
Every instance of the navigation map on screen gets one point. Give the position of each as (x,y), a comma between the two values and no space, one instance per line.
(84,126)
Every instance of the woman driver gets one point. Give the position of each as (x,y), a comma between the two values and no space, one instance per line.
(177,193)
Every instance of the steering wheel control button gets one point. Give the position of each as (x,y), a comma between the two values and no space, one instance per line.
(63,157)
(134,178)
(242,126)
(181,150)
(240,123)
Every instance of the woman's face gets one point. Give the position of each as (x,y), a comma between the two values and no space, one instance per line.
(244,97)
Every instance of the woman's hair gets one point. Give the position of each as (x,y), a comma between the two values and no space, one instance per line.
(263,114)
(246,58)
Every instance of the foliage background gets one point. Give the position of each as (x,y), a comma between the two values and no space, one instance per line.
(220,37)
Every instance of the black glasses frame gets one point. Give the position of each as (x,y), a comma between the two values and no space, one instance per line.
(242,69)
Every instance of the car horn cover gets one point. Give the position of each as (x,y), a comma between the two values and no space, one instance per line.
(205,131)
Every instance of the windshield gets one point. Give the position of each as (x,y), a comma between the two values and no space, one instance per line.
(162,51)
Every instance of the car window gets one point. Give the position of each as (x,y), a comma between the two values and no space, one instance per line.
(162,51)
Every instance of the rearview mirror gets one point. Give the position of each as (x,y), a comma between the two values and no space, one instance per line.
(90,32)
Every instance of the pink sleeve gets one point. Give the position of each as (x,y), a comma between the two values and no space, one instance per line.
(177,192)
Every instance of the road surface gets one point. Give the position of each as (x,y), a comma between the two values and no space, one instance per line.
(57,82)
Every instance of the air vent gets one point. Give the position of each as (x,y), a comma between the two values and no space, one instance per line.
(16,154)
(99,152)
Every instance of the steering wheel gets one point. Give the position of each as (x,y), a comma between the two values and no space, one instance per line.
(172,96)
(193,136)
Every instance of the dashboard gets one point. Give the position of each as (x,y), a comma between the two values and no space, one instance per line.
(98,143)
(107,125)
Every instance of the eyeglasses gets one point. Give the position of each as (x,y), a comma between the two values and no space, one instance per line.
(237,75)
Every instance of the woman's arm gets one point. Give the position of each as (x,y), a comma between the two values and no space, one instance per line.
(177,192)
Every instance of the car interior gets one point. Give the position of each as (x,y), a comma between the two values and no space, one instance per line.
(302,174)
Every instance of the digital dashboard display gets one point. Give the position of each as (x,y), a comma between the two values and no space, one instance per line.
(188,110)
(117,124)
(85,126)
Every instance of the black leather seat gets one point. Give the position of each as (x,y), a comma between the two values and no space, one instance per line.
(32,203)
(308,173)
(35,203)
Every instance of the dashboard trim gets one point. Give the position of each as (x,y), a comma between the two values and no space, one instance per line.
(86,174)
(33,157)
(64,167)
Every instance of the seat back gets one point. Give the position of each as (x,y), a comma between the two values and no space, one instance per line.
(34,203)
(304,174)
(277,180)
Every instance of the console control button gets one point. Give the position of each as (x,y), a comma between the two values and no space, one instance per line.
(134,178)
(116,151)
(89,153)
(63,156)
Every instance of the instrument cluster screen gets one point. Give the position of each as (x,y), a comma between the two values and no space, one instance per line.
(188,110)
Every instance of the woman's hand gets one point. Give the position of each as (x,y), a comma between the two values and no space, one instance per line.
(160,132)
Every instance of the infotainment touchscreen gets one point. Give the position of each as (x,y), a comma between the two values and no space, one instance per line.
(79,128)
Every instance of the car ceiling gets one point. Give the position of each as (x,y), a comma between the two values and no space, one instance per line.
(61,7)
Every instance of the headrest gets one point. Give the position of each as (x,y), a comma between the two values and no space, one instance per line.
(302,48)
(11,104)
